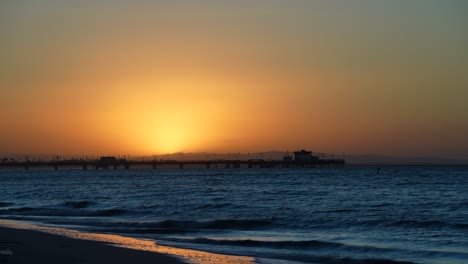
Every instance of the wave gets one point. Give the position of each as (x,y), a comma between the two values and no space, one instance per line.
(316,244)
(392,223)
(215,224)
(382,205)
(348,222)
(312,251)
(214,205)
(154,231)
(330,259)
(251,224)
(344,210)
(302,245)
(78,204)
(461,226)
(417,224)
(156,227)
(61,212)
(4,204)
(323,247)
(83,209)
(230,224)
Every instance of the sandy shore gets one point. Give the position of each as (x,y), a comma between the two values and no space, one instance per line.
(29,246)
(22,242)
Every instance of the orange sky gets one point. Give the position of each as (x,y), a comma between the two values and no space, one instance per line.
(119,78)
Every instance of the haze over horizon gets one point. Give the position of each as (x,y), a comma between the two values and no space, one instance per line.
(144,78)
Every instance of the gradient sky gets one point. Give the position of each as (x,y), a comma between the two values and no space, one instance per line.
(148,77)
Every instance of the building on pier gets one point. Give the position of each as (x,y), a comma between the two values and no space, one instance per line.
(304,156)
(107,160)
(287,158)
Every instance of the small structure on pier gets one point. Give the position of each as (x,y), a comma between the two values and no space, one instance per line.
(287,158)
(105,162)
(304,156)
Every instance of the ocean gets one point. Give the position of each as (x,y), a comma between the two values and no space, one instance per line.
(348,215)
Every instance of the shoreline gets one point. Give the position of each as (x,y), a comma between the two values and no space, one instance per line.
(29,243)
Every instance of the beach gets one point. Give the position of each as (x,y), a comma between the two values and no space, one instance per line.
(30,246)
(268,216)
(23,242)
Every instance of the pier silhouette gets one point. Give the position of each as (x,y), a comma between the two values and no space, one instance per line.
(122,163)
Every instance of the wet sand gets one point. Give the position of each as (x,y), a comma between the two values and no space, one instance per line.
(30,246)
(29,243)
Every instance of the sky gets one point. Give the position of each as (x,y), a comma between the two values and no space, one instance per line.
(155,77)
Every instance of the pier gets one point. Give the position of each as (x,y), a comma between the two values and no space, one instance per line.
(301,159)
(115,164)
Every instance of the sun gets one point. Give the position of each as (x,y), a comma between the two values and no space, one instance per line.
(170,138)
(177,117)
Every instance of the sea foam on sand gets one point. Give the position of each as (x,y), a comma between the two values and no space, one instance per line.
(54,235)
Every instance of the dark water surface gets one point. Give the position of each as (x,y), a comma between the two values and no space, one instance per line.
(352,215)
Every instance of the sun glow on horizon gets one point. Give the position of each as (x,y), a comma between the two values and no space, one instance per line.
(174,115)
(100,77)
(169,137)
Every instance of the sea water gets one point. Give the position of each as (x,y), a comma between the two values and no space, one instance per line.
(347,215)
